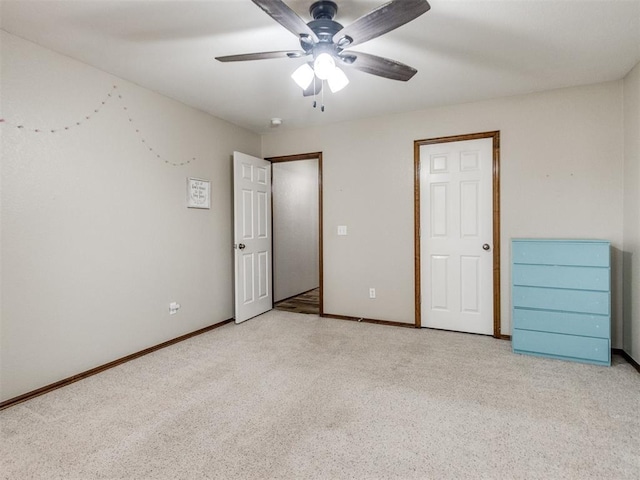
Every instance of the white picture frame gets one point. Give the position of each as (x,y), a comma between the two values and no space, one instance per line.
(198,193)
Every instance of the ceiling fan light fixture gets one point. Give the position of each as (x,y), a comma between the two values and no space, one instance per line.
(325,40)
(303,76)
(324,65)
(337,80)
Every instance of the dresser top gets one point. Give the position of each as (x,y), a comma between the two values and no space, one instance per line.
(568,240)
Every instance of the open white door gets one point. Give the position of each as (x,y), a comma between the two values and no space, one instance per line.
(252,236)
(456,186)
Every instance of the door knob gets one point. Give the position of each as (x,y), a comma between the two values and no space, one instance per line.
(242,246)
(486,247)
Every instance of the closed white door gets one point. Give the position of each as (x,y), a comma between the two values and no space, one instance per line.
(456,219)
(252,236)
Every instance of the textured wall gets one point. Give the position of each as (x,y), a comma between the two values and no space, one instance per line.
(295,227)
(561,174)
(632,213)
(96,236)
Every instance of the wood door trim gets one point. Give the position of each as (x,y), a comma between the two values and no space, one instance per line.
(293,158)
(495,135)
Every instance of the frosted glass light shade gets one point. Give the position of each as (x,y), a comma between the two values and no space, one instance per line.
(324,65)
(337,80)
(303,76)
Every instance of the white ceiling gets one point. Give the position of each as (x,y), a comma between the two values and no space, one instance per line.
(464,51)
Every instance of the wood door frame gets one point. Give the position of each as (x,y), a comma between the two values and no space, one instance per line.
(495,135)
(293,158)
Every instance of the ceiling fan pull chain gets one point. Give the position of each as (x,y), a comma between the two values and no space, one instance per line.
(322,98)
(315,92)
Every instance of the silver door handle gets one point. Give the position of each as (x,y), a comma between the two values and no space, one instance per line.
(242,246)
(486,247)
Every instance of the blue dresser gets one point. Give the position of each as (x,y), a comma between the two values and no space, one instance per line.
(561,298)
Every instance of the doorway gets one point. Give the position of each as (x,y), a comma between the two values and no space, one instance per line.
(457,233)
(297,233)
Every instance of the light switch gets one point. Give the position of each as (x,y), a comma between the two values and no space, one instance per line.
(342,229)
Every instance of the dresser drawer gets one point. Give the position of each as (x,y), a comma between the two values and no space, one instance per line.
(553,276)
(556,344)
(588,254)
(562,322)
(580,301)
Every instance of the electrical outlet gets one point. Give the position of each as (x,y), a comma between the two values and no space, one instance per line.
(372,293)
(174,307)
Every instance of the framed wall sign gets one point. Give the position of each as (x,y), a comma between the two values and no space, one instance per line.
(198,193)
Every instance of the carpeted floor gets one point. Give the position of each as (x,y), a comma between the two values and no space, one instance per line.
(307,302)
(292,396)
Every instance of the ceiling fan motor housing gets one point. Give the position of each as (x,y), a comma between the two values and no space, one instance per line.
(324,27)
(324,9)
(323,24)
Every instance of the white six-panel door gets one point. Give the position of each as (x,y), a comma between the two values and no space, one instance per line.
(252,236)
(456,251)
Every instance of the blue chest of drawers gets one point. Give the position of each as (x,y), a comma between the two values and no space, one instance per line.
(561,298)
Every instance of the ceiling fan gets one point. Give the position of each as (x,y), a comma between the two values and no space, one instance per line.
(327,41)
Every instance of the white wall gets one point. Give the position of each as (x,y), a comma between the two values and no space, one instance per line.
(632,213)
(295,227)
(561,176)
(96,237)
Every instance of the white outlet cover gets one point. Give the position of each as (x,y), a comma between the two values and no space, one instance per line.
(342,229)
(173,308)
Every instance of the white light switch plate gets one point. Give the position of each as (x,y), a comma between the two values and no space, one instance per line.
(342,229)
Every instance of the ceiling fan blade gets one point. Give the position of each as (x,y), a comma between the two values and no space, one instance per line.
(383,19)
(382,67)
(313,89)
(286,17)
(262,56)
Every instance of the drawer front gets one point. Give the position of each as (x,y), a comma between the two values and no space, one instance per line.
(581,278)
(582,348)
(580,301)
(562,322)
(591,254)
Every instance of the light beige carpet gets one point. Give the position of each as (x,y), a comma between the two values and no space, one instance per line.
(293,396)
